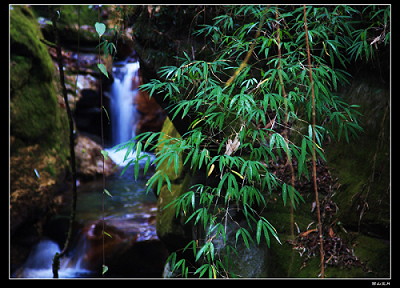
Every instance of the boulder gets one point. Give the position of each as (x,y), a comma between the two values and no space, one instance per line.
(32,94)
(39,147)
(125,47)
(125,256)
(171,230)
(90,160)
(152,116)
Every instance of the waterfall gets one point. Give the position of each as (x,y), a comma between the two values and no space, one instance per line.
(124,116)
(40,260)
(123,111)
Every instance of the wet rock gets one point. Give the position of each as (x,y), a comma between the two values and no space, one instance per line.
(152,116)
(171,230)
(90,247)
(57,227)
(90,160)
(144,259)
(124,47)
(124,255)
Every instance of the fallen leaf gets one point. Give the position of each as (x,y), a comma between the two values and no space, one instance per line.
(331,233)
(211,169)
(304,234)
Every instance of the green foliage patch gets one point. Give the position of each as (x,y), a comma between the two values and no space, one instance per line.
(237,128)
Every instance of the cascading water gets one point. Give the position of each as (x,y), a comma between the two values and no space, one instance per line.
(129,210)
(123,111)
(39,263)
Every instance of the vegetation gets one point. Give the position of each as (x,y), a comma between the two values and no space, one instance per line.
(243,101)
(246,98)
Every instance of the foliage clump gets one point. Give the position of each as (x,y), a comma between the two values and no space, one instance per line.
(249,109)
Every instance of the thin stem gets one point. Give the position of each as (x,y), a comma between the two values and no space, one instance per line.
(321,240)
(102,147)
(285,128)
(56,259)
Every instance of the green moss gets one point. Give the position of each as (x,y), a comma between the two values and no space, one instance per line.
(32,111)
(67,24)
(282,257)
(33,102)
(25,42)
(363,166)
(170,229)
(375,252)
(35,115)
(170,132)
(166,217)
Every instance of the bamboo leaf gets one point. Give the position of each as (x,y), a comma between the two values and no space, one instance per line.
(108,193)
(102,69)
(105,269)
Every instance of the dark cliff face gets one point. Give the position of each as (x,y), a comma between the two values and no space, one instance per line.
(363,166)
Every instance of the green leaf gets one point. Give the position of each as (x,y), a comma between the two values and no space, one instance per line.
(100,28)
(284,193)
(146,166)
(258,235)
(102,69)
(105,269)
(137,166)
(105,154)
(105,233)
(108,193)
(202,250)
(176,163)
(167,180)
(108,117)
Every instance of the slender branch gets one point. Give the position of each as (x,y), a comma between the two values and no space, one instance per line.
(48,43)
(244,63)
(321,240)
(56,259)
(285,128)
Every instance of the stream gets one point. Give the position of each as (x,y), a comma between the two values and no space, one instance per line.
(129,214)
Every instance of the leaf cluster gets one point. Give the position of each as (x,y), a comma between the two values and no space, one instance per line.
(237,128)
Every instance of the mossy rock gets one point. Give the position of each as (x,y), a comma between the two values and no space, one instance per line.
(67,24)
(33,101)
(170,132)
(38,125)
(171,229)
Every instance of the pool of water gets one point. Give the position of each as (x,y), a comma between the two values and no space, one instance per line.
(130,210)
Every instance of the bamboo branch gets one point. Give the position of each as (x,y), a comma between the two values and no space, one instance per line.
(285,128)
(321,240)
